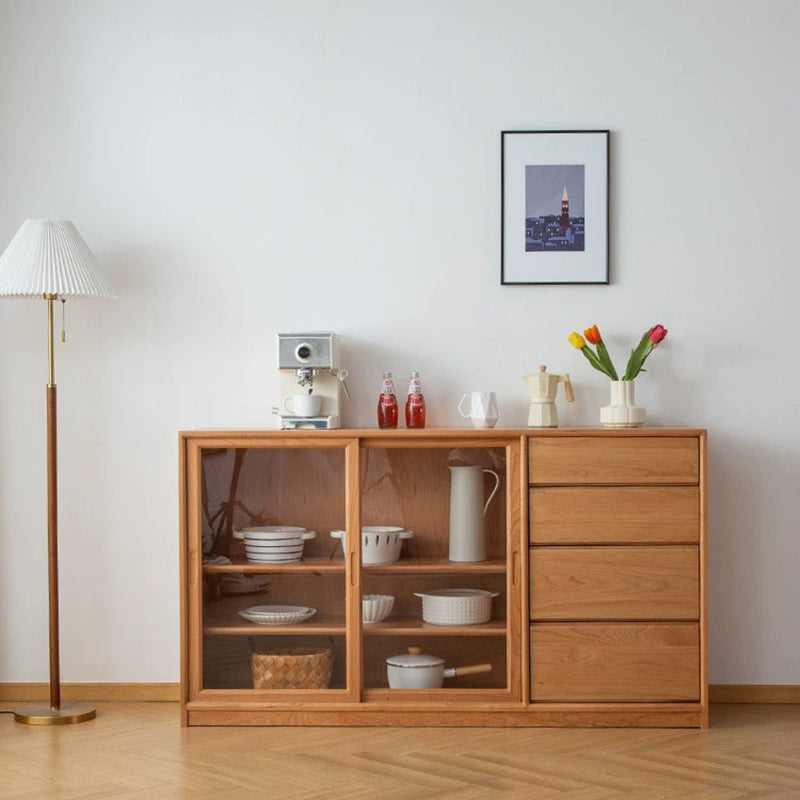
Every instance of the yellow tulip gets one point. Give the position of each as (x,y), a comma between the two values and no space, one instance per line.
(577,341)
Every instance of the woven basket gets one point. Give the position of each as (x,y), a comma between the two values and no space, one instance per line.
(294,668)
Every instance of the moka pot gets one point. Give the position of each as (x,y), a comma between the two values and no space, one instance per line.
(542,386)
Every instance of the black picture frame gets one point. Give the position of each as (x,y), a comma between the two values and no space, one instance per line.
(544,240)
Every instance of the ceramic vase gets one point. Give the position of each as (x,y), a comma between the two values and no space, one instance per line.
(622,412)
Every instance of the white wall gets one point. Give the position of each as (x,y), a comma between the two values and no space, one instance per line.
(243,168)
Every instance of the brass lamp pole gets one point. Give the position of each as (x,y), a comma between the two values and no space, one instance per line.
(48,258)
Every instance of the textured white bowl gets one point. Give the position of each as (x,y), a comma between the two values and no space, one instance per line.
(375,607)
(456,606)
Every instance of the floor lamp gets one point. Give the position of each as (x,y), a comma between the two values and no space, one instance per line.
(49,260)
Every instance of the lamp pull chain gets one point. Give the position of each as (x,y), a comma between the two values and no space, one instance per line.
(63,322)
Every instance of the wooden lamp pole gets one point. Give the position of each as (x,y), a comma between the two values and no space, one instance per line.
(57,713)
(49,258)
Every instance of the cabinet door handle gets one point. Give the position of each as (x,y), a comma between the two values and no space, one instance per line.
(193,567)
(352,569)
(515,568)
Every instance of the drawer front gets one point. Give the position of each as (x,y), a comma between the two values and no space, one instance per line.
(607,460)
(615,583)
(618,662)
(614,514)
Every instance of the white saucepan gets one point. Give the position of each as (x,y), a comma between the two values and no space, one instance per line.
(418,670)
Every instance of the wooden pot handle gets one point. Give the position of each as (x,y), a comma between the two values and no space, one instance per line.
(473,670)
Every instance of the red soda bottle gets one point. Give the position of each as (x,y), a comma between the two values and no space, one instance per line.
(388,411)
(415,404)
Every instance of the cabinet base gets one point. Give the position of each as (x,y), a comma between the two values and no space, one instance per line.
(644,717)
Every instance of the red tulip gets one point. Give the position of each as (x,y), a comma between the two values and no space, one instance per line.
(657,334)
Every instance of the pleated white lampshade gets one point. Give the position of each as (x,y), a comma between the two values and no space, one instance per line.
(48,256)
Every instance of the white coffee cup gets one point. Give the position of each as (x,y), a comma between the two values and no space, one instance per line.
(482,409)
(303,405)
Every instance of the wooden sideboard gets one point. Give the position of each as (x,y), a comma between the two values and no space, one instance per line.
(596,547)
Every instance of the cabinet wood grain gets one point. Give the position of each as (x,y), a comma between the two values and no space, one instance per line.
(624,460)
(615,583)
(615,662)
(614,514)
(596,548)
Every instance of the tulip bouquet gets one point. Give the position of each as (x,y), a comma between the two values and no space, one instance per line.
(601,360)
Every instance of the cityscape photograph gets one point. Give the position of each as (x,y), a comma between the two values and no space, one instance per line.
(554,208)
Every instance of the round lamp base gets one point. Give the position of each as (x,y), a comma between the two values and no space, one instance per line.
(66,714)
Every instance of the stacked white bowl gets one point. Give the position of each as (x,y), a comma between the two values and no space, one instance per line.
(274,544)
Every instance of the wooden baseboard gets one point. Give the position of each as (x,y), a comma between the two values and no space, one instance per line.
(753,693)
(97,692)
(171,692)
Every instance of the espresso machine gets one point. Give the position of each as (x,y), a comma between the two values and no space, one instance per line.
(542,386)
(310,381)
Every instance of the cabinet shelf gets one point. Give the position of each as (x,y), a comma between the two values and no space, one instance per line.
(229,625)
(405,565)
(313,565)
(415,627)
(436,565)
(221,618)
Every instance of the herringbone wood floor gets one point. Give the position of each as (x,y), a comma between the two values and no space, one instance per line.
(138,751)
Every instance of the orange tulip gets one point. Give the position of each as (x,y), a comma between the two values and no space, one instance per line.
(593,335)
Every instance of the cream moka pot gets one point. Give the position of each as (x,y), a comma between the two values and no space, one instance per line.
(542,386)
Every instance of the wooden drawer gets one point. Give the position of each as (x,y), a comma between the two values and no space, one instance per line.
(615,583)
(610,460)
(615,662)
(614,514)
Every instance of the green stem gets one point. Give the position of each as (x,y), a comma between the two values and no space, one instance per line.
(595,361)
(638,357)
(602,351)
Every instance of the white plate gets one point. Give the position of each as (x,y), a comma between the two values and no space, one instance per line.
(277,559)
(277,615)
(241,584)
(291,530)
(277,535)
(283,548)
(277,609)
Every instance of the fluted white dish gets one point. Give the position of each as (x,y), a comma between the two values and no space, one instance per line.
(376,607)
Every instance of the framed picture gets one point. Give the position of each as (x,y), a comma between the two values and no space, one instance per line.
(554,212)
